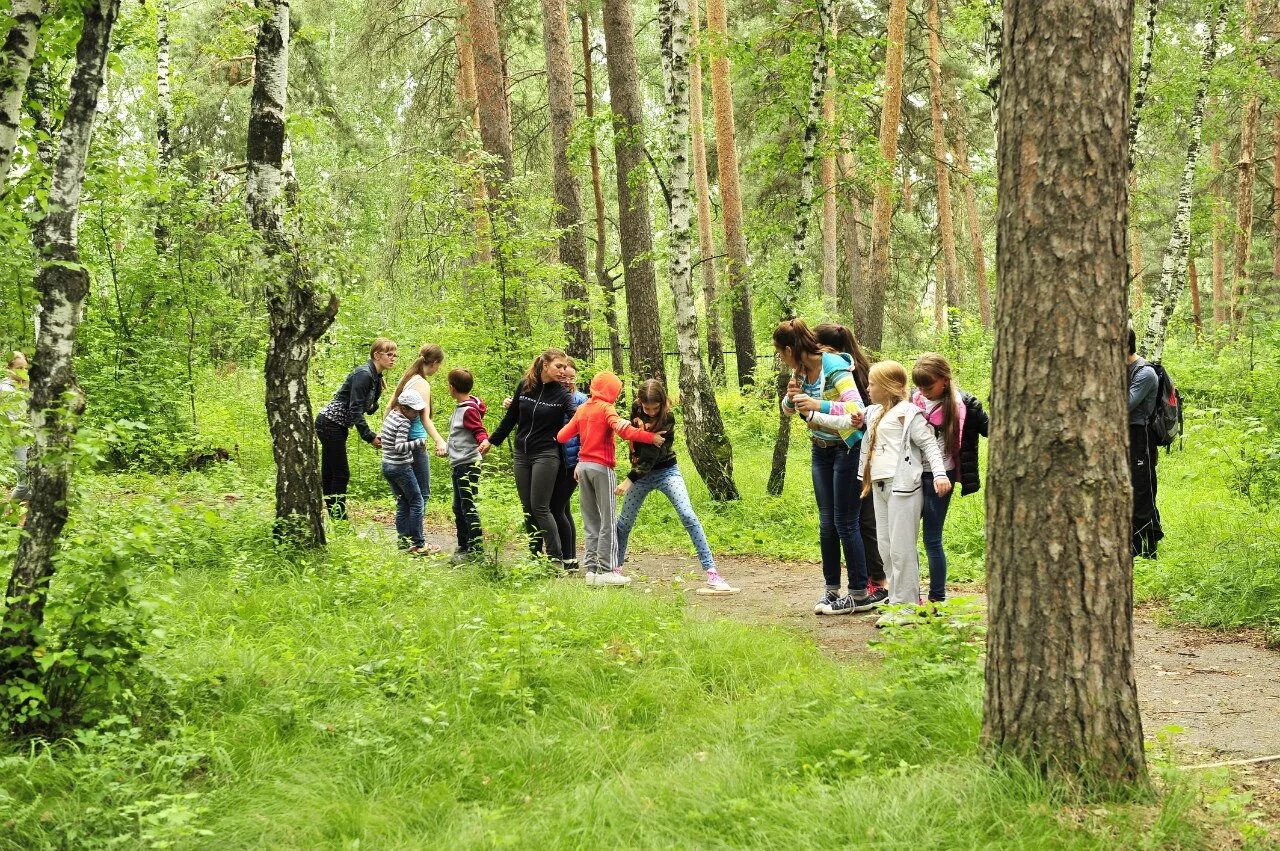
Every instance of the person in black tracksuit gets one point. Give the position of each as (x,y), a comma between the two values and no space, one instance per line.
(1144,385)
(355,399)
(537,413)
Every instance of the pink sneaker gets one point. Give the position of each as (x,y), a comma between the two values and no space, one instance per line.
(716,586)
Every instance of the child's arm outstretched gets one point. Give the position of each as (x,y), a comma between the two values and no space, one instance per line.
(570,429)
(629,432)
(923,437)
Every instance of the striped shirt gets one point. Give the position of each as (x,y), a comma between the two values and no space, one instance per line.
(397,446)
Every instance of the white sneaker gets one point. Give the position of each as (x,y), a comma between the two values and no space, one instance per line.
(613,577)
(590,577)
(716,586)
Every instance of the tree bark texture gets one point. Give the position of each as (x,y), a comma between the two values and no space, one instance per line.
(297,314)
(871,312)
(854,282)
(1193,282)
(56,403)
(1060,690)
(706,237)
(830,220)
(950,276)
(1244,187)
(975,225)
(795,276)
(602,275)
(1164,299)
(1221,305)
(16,55)
(164,98)
(1275,196)
(1144,74)
(709,448)
(643,323)
(736,274)
(572,241)
(466,87)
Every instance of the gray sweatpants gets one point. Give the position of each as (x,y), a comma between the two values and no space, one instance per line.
(897,527)
(595,490)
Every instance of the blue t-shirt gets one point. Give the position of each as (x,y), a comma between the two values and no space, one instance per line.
(416,428)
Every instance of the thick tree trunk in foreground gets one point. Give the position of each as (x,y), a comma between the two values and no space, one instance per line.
(56,400)
(950,276)
(1221,306)
(634,230)
(1244,188)
(870,323)
(736,276)
(1164,299)
(1060,690)
(572,242)
(974,224)
(297,314)
(602,275)
(704,434)
(706,239)
(795,276)
(16,54)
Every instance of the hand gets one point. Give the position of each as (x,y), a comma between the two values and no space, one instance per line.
(806,404)
(485,446)
(506,403)
(858,419)
(377,442)
(942,487)
(658,439)
(622,488)
(442,449)
(793,387)
(575,474)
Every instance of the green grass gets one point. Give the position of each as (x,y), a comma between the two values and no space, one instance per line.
(369,700)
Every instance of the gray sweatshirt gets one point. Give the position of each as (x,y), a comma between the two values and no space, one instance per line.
(466,431)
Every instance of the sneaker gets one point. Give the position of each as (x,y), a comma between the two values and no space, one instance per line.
(716,585)
(877,594)
(571,565)
(591,577)
(825,600)
(848,605)
(614,577)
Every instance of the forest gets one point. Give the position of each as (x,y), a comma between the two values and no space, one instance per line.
(234,232)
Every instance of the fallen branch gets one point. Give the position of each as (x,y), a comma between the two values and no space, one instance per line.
(1257,760)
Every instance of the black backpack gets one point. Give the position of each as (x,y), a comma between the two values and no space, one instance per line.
(1165,425)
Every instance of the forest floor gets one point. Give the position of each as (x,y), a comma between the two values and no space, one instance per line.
(1219,692)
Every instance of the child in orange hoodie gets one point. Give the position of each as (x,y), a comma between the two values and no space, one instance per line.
(596,422)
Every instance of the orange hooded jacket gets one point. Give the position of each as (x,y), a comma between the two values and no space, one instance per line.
(596,421)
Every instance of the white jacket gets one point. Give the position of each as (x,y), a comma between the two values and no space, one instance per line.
(919,445)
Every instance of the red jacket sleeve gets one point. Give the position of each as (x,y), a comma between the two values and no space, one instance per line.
(472,421)
(570,429)
(629,432)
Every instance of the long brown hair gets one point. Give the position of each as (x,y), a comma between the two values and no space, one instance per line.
(653,392)
(533,376)
(380,345)
(891,377)
(931,367)
(795,335)
(839,338)
(429,354)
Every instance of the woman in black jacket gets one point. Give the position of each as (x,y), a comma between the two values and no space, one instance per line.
(356,398)
(539,409)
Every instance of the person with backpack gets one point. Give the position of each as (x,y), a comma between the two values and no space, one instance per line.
(1144,400)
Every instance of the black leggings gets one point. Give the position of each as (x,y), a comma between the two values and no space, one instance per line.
(536,477)
(335,472)
(566,484)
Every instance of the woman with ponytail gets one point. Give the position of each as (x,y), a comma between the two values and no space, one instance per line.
(427,364)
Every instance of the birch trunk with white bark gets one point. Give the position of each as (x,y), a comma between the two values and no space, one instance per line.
(16,55)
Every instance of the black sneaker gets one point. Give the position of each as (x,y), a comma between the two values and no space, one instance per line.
(826,600)
(876,596)
(571,565)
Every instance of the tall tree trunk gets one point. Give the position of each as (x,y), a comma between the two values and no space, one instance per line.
(736,275)
(946,224)
(975,225)
(830,233)
(297,314)
(467,98)
(1275,196)
(643,323)
(854,280)
(1164,300)
(870,324)
(706,239)
(1244,187)
(16,54)
(1193,281)
(495,136)
(1060,690)
(164,112)
(710,450)
(1137,269)
(56,399)
(795,276)
(1144,73)
(602,275)
(1221,305)
(573,238)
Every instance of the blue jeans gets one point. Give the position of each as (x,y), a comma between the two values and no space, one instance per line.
(670,483)
(837,488)
(422,472)
(934,516)
(404,484)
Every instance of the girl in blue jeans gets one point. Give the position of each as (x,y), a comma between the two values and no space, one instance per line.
(944,410)
(397,468)
(654,468)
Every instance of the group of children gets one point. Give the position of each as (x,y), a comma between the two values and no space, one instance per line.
(874,441)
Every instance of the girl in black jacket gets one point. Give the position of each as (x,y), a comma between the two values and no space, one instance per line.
(355,399)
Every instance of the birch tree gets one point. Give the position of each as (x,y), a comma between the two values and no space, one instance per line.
(830,233)
(572,241)
(974,223)
(56,402)
(706,237)
(710,450)
(634,229)
(1144,74)
(16,55)
(297,313)
(1164,299)
(1060,695)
